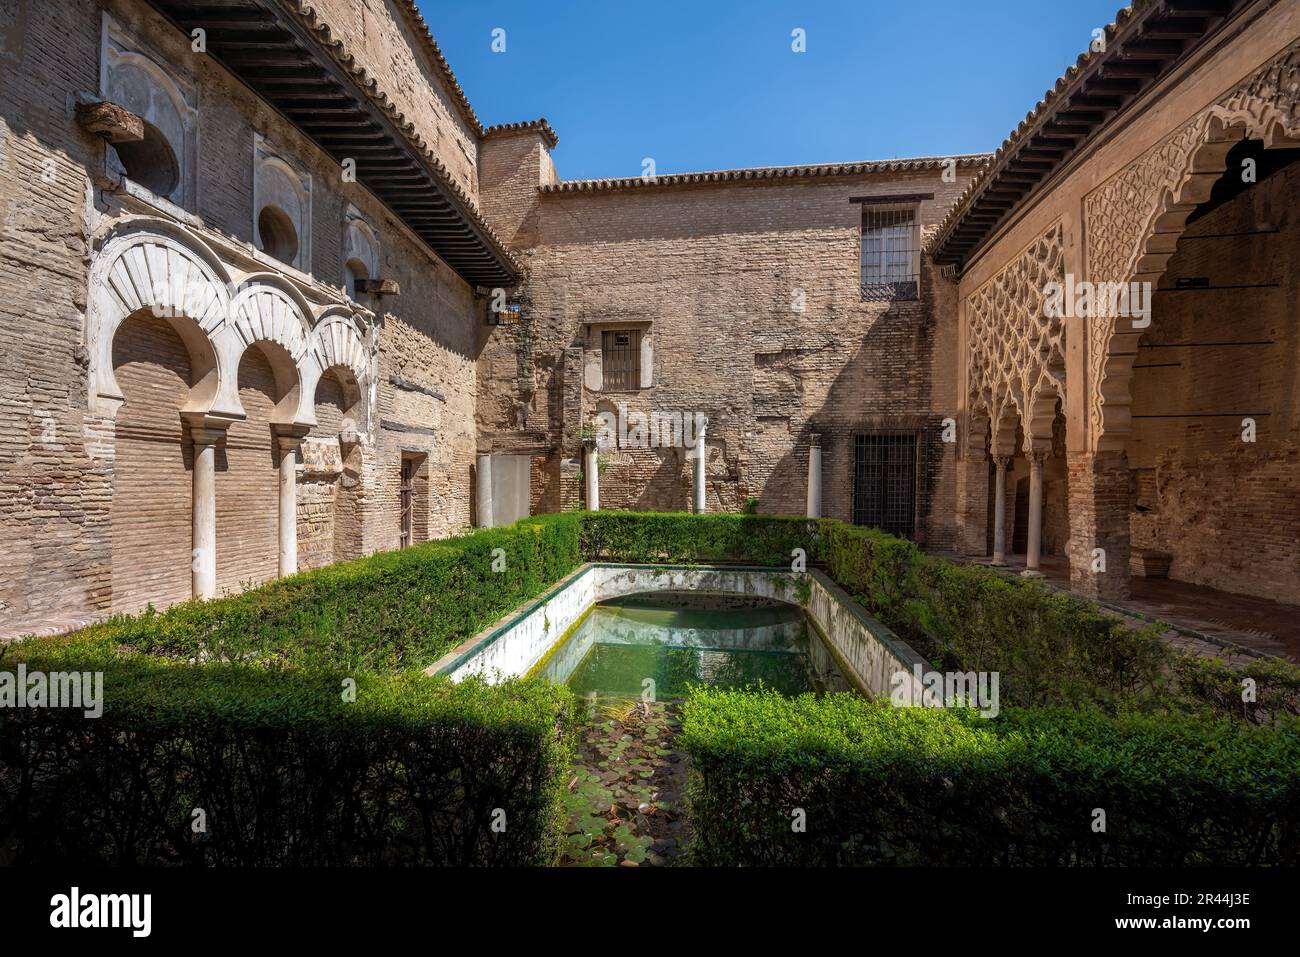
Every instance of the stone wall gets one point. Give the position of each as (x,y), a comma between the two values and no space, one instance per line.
(749,293)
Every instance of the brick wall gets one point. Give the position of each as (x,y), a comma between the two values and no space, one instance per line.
(1225,509)
(717,272)
(248,483)
(64,481)
(381,36)
(151,487)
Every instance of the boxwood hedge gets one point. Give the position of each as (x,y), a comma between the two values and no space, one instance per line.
(294,720)
(870,784)
(639,537)
(232,764)
(1049,648)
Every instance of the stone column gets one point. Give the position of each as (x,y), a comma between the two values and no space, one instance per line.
(814,476)
(483,490)
(591,475)
(699,486)
(203,509)
(289,445)
(1000,463)
(1034,545)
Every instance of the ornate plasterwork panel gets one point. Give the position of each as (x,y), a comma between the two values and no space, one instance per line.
(1134,219)
(1016,356)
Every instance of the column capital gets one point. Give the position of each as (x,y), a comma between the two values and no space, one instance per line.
(1037,457)
(205,429)
(1001,462)
(289,437)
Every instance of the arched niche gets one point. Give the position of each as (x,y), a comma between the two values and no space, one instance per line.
(360,252)
(282,208)
(164,163)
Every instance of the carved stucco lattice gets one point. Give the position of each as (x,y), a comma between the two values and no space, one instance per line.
(1016,357)
(1133,220)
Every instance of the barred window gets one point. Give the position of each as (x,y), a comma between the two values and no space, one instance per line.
(620,360)
(891,253)
(884,482)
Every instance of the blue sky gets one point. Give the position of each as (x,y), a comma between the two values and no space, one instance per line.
(714,84)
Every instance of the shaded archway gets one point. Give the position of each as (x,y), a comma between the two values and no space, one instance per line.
(157,370)
(1214,440)
(248,469)
(1135,222)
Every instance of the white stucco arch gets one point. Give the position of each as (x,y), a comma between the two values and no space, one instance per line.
(158,267)
(338,340)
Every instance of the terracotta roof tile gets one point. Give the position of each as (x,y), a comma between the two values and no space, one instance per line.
(1027,126)
(965,161)
(548,134)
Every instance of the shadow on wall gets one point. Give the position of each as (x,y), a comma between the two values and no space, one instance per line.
(884,386)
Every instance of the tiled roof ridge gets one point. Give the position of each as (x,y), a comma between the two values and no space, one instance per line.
(902,164)
(540,125)
(422,31)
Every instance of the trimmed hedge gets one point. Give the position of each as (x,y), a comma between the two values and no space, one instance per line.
(879,785)
(236,707)
(1049,648)
(284,771)
(390,611)
(681,537)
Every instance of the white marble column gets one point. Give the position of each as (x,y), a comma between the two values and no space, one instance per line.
(203,509)
(699,485)
(289,445)
(1000,464)
(591,475)
(1033,547)
(814,476)
(483,490)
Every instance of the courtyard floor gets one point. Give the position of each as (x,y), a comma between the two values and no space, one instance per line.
(1208,619)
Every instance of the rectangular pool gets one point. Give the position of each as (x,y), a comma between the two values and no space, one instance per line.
(664,642)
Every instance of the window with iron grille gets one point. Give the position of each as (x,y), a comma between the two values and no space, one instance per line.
(891,253)
(620,360)
(884,482)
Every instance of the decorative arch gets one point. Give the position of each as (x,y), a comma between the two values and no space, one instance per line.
(162,267)
(151,265)
(338,341)
(267,309)
(1135,219)
(1016,358)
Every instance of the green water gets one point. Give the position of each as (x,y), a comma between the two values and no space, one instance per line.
(680,639)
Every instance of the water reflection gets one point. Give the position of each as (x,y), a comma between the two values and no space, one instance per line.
(681,638)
